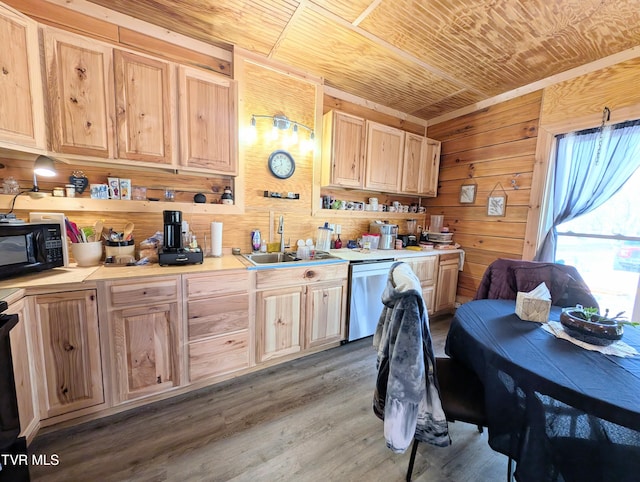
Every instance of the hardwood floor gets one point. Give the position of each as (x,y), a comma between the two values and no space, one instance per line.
(306,420)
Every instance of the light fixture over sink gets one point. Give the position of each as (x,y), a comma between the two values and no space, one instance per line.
(281,123)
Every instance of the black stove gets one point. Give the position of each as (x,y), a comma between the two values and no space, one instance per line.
(13,449)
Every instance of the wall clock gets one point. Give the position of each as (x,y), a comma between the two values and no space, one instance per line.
(281,164)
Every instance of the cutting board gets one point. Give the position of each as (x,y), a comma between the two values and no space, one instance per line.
(54,218)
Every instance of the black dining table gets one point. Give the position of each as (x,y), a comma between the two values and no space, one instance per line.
(562,412)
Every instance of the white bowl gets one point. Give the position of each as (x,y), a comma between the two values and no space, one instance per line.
(87,254)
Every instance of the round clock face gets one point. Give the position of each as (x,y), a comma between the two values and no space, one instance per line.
(281,164)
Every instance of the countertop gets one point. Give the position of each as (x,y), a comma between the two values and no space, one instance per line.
(13,289)
(387,254)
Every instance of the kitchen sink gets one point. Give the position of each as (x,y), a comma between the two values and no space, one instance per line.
(259,259)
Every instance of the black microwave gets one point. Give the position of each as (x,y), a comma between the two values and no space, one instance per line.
(30,247)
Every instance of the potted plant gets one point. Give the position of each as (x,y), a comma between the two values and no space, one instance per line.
(588,325)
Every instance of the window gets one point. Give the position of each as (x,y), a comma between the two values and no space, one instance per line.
(604,245)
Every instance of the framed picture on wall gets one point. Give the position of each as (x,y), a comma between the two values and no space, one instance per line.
(468,193)
(497,205)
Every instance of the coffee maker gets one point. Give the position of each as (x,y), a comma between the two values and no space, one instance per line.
(173,251)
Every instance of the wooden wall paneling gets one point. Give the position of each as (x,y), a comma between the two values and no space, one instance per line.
(54,15)
(526,107)
(274,92)
(496,148)
(584,97)
(174,52)
(334,103)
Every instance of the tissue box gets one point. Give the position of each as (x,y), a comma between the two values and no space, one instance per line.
(532,309)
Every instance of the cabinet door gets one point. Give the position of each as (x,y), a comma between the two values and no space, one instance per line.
(325,314)
(415,150)
(146,349)
(208,119)
(343,150)
(426,269)
(21,354)
(21,101)
(385,147)
(80,90)
(66,326)
(430,169)
(280,314)
(143,108)
(447,282)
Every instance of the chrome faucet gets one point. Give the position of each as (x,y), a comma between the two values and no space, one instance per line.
(281,233)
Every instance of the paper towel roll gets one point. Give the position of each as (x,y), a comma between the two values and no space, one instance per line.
(216,239)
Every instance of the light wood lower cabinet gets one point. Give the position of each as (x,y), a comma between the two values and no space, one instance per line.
(23,372)
(217,323)
(325,313)
(280,314)
(67,348)
(305,309)
(426,269)
(447,282)
(145,334)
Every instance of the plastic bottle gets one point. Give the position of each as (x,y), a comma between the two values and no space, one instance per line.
(256,240)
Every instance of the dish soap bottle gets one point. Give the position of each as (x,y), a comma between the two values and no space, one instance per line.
(256,240)
(338,242)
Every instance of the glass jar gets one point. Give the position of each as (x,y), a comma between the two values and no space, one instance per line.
(10,186)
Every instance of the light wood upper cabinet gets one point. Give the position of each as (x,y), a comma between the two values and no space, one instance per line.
(65,330)
(385,148)
(343,150)
(415,154)
(143,108)
(208,121)
(430,169)
(420,166)
(21,101)
(80,91)
(21,354)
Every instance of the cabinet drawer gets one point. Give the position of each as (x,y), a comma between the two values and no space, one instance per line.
(197,286)
(124,293)
(273,278)
(424,268)
(217,316)
(218,355)
(450,258)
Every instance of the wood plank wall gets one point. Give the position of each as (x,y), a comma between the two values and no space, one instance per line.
(495,148)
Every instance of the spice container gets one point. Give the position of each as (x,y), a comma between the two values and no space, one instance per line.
(227,196)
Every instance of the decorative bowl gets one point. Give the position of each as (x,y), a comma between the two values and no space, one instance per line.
(597,330)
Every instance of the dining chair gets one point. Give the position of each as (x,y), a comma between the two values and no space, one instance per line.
(462,397)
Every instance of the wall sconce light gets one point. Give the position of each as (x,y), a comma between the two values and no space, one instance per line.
(282,123)
(42,167)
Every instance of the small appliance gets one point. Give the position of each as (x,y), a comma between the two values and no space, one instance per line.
(388,234)
(410,238)
(30,247)
(173,252)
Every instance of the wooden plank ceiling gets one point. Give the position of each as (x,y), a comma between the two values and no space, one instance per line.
(426,58)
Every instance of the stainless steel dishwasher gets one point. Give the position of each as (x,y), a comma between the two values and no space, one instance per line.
(367,280)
